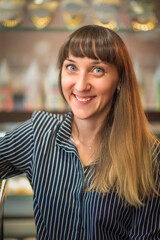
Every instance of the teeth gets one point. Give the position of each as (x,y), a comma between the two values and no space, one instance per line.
(83,99)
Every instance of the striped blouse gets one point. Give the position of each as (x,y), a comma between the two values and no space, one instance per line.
(42,148)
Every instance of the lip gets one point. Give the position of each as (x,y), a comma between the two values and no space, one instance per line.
(83,99)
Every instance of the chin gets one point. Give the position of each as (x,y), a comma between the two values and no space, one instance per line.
(81,115)
(84,116)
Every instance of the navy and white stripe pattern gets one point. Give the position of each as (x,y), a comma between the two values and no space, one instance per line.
(43,149)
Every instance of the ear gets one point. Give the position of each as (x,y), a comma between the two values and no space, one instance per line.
(118,87)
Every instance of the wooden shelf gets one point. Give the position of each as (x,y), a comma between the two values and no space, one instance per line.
(63,29)
(16,116)
(7,117)
(153,116)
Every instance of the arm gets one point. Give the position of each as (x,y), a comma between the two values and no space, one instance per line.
(146,218)
(16,150)
(146,221)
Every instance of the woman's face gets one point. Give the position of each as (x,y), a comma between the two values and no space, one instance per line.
(88,86)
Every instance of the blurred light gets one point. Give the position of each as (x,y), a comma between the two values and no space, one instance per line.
(144,27)
(2,134)
(106,13)
(42,13)
(143,16)
(73,12)
(111,25)
(11,23)
(11,12)
(41,22)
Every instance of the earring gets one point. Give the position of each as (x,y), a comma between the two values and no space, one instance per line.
(118,89)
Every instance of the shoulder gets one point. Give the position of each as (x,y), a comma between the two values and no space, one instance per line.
(156,162)
(45,121)
(42,116)
(156,150)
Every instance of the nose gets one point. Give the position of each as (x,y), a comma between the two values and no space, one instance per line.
(82,82)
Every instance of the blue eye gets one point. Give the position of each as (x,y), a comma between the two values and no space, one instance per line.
(98,70)
(71,67)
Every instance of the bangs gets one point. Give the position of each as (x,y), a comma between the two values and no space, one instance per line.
(91,46)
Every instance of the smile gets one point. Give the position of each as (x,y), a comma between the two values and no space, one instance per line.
(83,99)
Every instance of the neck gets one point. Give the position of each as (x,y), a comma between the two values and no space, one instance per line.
(84,131)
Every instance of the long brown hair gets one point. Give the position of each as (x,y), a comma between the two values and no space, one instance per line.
(128,152)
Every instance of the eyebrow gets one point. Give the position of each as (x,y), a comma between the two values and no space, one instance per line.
(94,62)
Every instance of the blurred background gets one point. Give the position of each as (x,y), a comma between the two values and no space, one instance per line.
(31,33)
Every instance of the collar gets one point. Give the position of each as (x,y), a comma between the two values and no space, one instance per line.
(63,137)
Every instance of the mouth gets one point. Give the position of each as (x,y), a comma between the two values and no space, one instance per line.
(84,99)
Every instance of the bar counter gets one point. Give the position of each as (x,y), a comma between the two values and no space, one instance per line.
(2,196)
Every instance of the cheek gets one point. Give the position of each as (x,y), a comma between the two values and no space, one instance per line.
(66,85)
(106,89)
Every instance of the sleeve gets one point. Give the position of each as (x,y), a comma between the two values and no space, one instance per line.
(16,151)
(146,218)
(146,221)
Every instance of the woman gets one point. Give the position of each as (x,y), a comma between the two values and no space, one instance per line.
(95,171)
